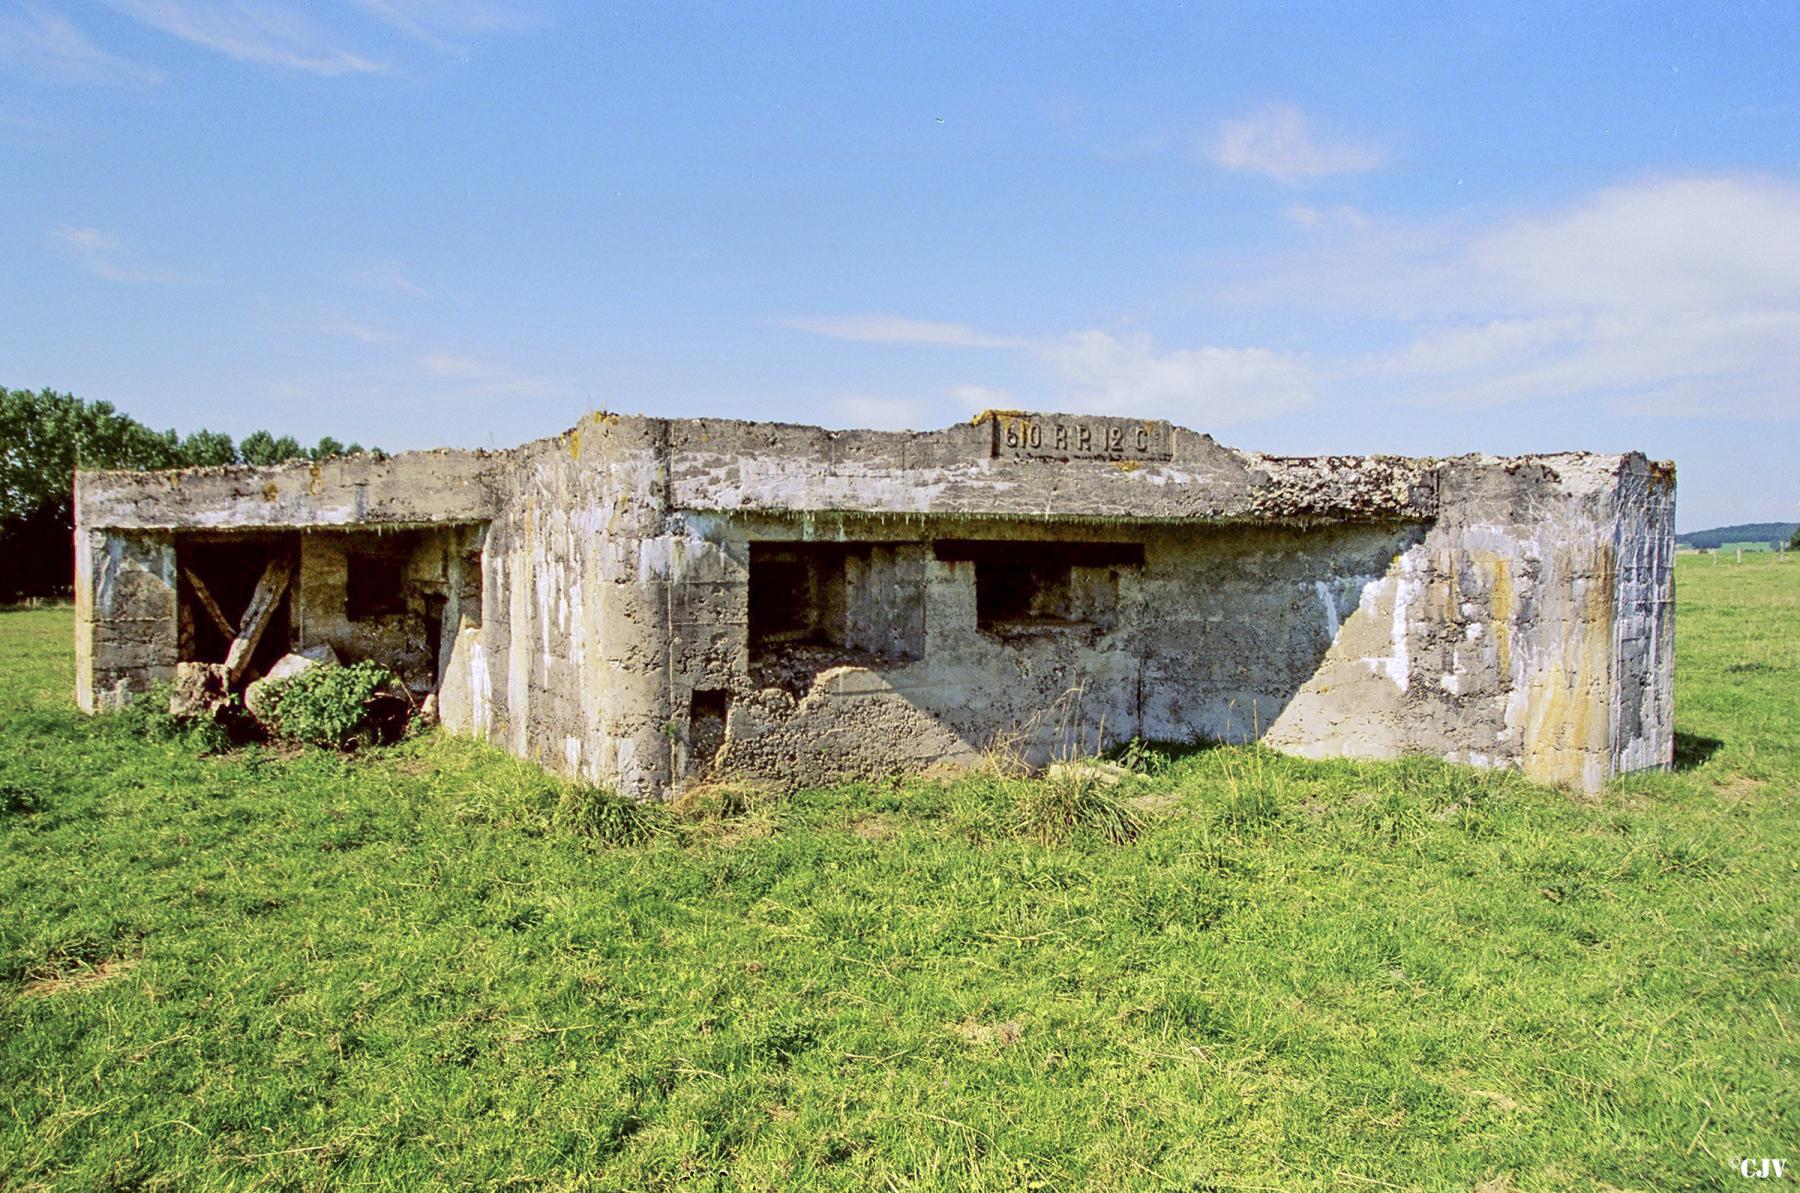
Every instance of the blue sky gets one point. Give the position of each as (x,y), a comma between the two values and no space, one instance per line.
(1417,229)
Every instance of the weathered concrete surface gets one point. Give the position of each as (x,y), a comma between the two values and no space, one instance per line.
(416,488)
(651,602)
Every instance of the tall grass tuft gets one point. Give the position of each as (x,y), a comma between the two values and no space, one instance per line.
(608,818)
(1076,800)
(1256,792)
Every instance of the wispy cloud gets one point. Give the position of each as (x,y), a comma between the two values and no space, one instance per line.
(455,365)
(1278,140)
(463,375)
(1324,217)
(984,397)
(879,414)
(1106,373)
(102,255)
(264,32)
(362,333)
(1209,386)
(897,329)
(390,275)
(442,24)
(1678,296)
(49,46)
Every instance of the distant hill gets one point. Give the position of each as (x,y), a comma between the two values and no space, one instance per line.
(1750,532)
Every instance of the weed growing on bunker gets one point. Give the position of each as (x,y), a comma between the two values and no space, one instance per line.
(147,715)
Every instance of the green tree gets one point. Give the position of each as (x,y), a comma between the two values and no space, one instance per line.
(203,448)
(45,436)
(260,447)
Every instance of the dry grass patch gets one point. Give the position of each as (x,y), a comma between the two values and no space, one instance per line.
(84,978)
(977,1034)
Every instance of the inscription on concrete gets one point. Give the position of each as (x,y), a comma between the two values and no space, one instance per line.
(1073,437)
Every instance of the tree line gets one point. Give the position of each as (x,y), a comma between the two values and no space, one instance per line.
(45,436)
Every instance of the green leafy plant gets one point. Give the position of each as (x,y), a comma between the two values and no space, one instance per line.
(340,708)
(147,715)
(1141,757)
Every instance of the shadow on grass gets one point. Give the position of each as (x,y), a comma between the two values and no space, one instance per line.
(36,606)
(1693,749)
(1159,754)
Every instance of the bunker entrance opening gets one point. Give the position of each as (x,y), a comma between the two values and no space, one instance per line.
(708,711)
(218,589)
(1035,587)
(819,605)
(398,596)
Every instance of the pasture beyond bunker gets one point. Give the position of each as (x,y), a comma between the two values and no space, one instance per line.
(657,603)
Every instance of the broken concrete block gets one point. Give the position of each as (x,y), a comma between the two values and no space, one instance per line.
(305,659)
(1089,770)
(200,689)
(256,695)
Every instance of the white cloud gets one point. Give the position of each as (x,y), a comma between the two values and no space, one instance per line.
(439,23)
(1278,140)
(101,254)
(1201,387)
(362,333)
(1696,243)
(1681,297)
(984,397)
(84,240)
(455,365)
(49,46)
(1103,373)
(1472,345)
(880,414)
(460,375)
(1327,217)
(896,329)
(389,275)
(264,32)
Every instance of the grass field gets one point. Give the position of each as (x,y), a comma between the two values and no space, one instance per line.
(397,970)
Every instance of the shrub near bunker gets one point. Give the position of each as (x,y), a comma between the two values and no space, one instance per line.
(340,708)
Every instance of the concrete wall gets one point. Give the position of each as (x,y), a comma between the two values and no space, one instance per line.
(439,574)
(1500,612)
(1513,634)
(126,629)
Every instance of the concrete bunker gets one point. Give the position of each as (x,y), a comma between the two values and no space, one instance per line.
(657,602)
